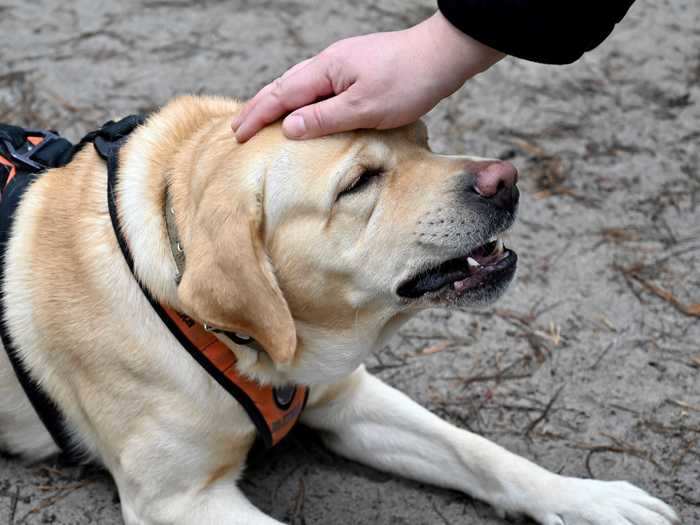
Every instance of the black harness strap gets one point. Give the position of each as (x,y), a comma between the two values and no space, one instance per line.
(54,152)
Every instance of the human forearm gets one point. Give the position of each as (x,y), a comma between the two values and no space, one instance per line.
(548,31)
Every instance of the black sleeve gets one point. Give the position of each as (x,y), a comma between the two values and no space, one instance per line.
(547,31)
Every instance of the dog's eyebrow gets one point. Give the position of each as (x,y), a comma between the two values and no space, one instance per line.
(360,155)
(348,160)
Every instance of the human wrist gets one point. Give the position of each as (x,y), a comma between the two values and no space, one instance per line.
(456,54)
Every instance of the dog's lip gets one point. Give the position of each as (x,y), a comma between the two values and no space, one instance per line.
(499,265)
(477,268)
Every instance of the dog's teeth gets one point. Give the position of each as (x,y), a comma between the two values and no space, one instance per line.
(499,247)
(472,262)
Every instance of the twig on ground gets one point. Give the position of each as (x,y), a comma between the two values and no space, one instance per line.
(684,405)
(545,170)
(690,444)
(298,514)
(597,449)
(688,500)
(619,447)
(663,429)
(434,349)
(544,413)
(525,319)
(634,273)
(499,376)
(14,501)
(61,493)
(538,338)
(52,470)
(601,356)
(285,478)
(607,323)
(624,408)
(495,377)
(437,511)
(618,235)
(54,488)
(692,310)
(381,367)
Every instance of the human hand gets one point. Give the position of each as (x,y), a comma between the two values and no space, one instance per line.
(380,81)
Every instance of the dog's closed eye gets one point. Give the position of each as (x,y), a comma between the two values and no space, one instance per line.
(367,176)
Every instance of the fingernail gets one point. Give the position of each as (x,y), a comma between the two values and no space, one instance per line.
(235,123)
(294,126)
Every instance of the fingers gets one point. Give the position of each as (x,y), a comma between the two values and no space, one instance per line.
(238,119)
(343,112)
(301,85)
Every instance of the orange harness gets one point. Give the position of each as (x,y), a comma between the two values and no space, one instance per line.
(273,410)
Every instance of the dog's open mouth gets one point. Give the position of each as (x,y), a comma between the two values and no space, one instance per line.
(486,265)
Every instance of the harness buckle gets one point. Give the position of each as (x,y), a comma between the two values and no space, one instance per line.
(25,155)
(236,337)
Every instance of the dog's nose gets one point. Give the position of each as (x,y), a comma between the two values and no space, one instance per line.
(497,182)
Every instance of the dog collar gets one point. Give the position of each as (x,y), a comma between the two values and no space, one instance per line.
(173,238)
(273,410)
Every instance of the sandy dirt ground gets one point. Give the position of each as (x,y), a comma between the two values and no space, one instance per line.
(590,365)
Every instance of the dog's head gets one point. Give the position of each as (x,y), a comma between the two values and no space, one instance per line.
(321,248)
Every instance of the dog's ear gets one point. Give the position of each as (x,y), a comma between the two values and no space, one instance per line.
(228,281)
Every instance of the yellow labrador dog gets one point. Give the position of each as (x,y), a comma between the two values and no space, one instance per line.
(319,250)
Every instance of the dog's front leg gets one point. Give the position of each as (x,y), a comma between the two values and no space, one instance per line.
(222,504)
(166,476)
(368,421)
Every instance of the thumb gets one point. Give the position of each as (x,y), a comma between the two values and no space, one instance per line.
(333,115)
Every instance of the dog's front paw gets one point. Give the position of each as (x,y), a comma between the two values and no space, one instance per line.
(575,501)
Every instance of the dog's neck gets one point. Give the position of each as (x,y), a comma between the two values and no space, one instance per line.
(154,170)
(141,190)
